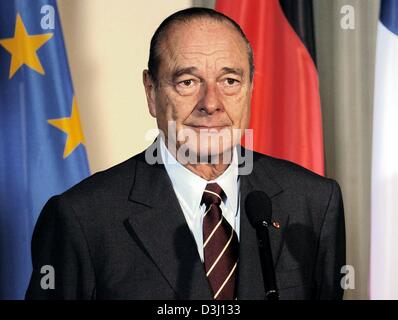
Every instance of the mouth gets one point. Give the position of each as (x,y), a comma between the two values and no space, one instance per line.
(208,127)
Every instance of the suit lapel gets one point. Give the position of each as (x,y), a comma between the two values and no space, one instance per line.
(158,222)
(250,280)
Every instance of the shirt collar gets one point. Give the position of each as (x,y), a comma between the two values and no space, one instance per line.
(191,186)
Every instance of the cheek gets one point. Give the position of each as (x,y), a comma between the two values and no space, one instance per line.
(176,107)
(238,108)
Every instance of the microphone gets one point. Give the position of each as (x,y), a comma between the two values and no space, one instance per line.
(259,211)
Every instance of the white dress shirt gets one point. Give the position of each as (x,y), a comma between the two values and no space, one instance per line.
(189,189)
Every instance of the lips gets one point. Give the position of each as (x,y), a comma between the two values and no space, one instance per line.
(208,127)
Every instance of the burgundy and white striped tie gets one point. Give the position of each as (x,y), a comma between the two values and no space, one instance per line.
(220,245)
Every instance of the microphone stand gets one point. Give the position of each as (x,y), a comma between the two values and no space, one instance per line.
(267,265)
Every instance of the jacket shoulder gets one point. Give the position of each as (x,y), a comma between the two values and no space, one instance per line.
(293,176)
(115,181)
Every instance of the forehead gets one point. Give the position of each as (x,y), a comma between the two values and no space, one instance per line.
(203,38)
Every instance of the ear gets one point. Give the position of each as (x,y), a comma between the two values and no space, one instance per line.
(150,92)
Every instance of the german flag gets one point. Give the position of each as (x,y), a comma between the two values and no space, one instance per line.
(286,112)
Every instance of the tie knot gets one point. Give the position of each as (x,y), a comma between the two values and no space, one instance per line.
(213,194)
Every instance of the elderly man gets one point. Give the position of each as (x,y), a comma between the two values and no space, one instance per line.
(171,222)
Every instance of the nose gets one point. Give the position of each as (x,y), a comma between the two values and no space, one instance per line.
(210,101)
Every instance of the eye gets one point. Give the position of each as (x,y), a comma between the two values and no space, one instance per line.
(231,81)
(186,83)
(230,86)
(188,86)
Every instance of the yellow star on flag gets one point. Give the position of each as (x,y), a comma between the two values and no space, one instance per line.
(23,48)
(71,126)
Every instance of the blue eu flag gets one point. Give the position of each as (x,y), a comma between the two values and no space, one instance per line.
(42,149)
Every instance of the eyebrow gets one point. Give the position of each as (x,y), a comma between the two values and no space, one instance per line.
(180,72)
(236,71)
(193,70)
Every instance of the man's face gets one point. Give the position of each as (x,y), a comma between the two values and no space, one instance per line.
(203,86)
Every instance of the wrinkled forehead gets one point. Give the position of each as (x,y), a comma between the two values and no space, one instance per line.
(201,38)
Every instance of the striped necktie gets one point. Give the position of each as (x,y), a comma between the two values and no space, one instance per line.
(220,245)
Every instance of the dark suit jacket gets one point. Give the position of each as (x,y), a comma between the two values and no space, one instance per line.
(121,234)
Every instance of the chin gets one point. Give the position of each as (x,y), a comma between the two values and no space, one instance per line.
(205,153)
(206,145)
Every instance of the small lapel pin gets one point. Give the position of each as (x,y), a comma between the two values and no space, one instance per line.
(276,224)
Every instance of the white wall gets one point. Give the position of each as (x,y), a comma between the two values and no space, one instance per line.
(107,44)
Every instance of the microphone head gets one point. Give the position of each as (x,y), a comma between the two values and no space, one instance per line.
(258,208)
